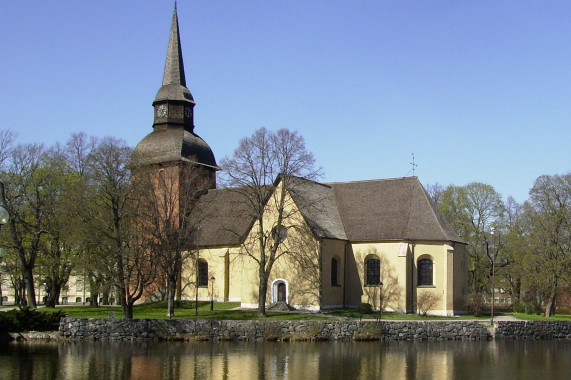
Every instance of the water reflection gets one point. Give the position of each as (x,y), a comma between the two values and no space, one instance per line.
(324,360)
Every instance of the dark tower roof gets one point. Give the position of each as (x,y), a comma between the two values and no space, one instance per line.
(174,80)
(171,145)
(173,139)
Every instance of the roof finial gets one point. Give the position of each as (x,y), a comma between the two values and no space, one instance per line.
(413,165)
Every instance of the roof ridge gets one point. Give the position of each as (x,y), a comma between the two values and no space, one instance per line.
(409,211)
(312,181)
(371,180)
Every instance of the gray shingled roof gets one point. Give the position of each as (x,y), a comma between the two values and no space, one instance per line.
(226,218)
(389,209)
(317,204)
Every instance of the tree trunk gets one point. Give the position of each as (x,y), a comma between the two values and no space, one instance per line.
(262,277)
(263,290)
(517,292)
(53,290)
(52,298)
(550,307)
(94,300)
(171,290)
(127,308)
(127,311)
(29,284)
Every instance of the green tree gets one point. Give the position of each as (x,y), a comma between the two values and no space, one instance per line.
(31,187)
(476,212)
(549,216)
(516,247)
(62,247)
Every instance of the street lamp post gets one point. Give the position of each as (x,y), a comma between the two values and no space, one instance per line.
(4,216)
(196,286)
(212,279)
(1,254)
(493,288)
(380,300)
(493,256)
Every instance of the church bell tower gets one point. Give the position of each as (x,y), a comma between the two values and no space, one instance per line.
(173,142)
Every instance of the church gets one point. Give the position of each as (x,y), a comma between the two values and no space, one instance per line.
(379,242)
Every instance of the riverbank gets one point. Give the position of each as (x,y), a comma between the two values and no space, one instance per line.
(93,329)
(213,330)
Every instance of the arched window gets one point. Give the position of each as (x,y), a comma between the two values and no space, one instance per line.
(372,271)
(425,272)
(334,271)
(202,272)
(162,183)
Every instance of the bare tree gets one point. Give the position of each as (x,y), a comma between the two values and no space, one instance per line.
(435,193)
(252,170)
(112,218)
(170,218)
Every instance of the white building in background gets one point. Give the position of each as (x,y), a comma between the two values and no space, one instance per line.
(75,292)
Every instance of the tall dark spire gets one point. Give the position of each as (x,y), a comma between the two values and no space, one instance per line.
(174,66)
(174,80)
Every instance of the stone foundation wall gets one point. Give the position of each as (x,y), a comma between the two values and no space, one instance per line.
(181,329)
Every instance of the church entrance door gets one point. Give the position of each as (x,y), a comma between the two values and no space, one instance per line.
(282,292)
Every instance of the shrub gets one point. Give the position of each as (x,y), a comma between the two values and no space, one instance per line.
(519,308)
(532,308)
(426,301)
(365,308)
(26,319)
(475,302)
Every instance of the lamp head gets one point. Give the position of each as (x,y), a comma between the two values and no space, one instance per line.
(4,216)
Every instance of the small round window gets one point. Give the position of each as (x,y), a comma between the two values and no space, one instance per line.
(281,233)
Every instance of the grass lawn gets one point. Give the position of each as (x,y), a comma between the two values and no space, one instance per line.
(535,317)
(157,310)
(389,316)
(223,311)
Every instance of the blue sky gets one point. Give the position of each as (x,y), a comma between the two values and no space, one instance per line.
(478,90)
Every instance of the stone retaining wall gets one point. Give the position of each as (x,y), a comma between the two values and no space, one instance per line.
(532,330)
(182,329)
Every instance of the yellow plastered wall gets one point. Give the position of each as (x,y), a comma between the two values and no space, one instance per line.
(299,269)
(393,276)
(441,275)
(216,268)
(399,275)
(333,294)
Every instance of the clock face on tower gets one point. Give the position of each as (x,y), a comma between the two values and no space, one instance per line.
(162,111)
(188,112)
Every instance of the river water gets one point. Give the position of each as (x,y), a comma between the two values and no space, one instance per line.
(296,360)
